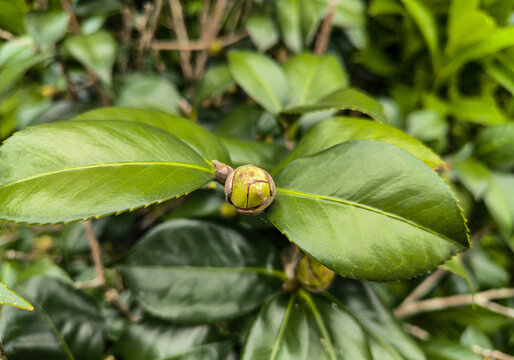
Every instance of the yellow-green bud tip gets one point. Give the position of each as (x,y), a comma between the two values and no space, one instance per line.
(312,275)
(250,189)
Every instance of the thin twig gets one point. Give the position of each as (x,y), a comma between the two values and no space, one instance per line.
(181,32)
(198,45)
(416,331)
(491,354)
(113,297)
(423,288)
(326,28)
(74,24)
(442,303)
(6,35)
(95,253)
(126,35)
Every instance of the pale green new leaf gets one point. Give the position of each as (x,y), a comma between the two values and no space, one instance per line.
(312,77)
(201,140)
(344,99)
(96,51)
(332,131)
(261,78)
(9,297)
(75,170)
(368,210)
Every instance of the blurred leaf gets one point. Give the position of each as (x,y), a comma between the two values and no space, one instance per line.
(262,29)
(261,78)
(44,267)
(96,52)
(351,16)
(503,75)
(426,125)
(333,131)
(12,15)
(266,156)
(442,349)
(67,176)
(241,123)
(495,145)
(201,140)
(9,297)
(455,266)
(500,200)
(153,339)
(11,73)
(345,99)
(289,21)
(206,273)
(215,82)
(312,77)
(473,336)
(474,175)
(65,324)
(481,110)
(336,206)
(384,7)
(46,27)
(98,7)
(311,14)
(149,92)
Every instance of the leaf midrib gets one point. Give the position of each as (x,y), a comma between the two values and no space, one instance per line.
(365,207)
(282,329)
(116,164)
(56,332)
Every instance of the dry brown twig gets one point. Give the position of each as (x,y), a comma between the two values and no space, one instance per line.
(181,32)
(200,44)
(326,28)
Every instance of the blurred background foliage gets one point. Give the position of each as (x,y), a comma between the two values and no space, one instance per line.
(443,72)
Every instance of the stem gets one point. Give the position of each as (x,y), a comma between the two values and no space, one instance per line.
(95,253)
(422,289)
(180,29)
(326,29)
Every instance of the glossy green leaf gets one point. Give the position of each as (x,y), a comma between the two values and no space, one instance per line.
(312,77)
(76,170)
(65,325)
(345,99)
(495,145)
(158,340)
(261,78)
(12,14)
(336,130)
(263,155)
(289,21)
(215,82)
(368,210)
(201,140)
(96,52)
(46,27)
(426,22)
(196,272)
(9,297)
(262,30)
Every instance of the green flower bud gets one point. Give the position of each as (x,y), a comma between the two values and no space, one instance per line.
(250,189)
(312,275)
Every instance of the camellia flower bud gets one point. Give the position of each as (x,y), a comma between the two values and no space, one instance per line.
(250,189)
(312,275)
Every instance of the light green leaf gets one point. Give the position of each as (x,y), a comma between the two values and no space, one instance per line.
(503,75)
(351,16)
(96,52)
(312,77)
(206,273)
(261,78)
(12,14)
(262,29)
(336,130)
(495,145)
(345,99)
(311,14)
(474,175)
(74,170)
(64,325)
(425,20)
(256,153)
(216,81)
(480,110)
(158,340)
(499,200)
(46,27)
(201,140)
(289,21)
(149,92)
(427,125)
(455,266)
(9,297)
(442,349)
(11,73)
(368,210)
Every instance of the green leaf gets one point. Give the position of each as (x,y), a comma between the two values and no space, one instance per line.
(262,29)
(154,339)
(311,14)
(201,140)
(368,210)
(345,99)
(261,77)
(12,14)
(256,153)
(74,170)
(312,77)
(425,20)
(65,324)
(499,200)
(336,130)
(442,349)
(12,72)
(206,273)
(289,21)
(351,16)
(9,297)
(96,52)
(503,75)
(427,125)
(474,175)
(216,81)
(495,145)
(481,110)
(149,92)
(455,266)
(46,27)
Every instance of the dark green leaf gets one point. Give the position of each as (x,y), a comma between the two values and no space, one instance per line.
(12,14)
(64,326)
(368,210)
(263,155)
(215,82)
(441,349)
(46,27)
(197,272)
(261,78)
(495,145)
(75,170)
(9,297)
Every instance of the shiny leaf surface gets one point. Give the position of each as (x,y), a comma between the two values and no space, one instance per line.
(9,297)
